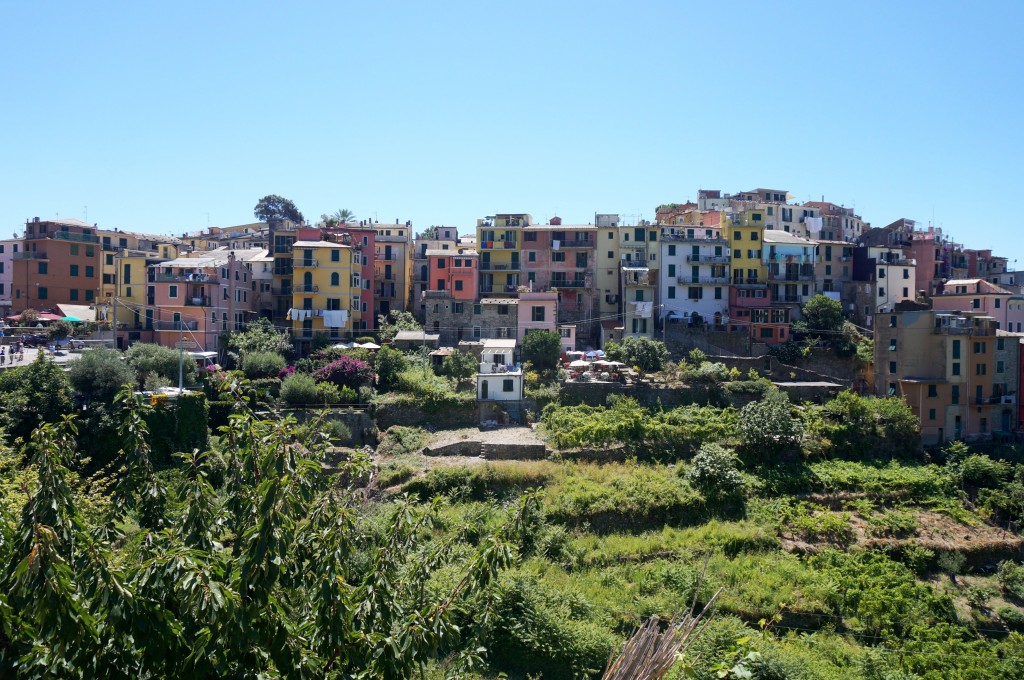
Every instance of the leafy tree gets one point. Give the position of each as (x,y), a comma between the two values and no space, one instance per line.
(768,426)
(459,366)
(99,375)
(34,394)
(274,207)
(390,364)
(646,354)
(147,358)
(822,314)
(59,330)
(29,317)
(262,364)
(714,471)
(542,349)
(395,321)
(258,336)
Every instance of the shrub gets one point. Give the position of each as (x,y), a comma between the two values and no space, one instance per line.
(146,358)
(392,474)
(646,354)
(459,366)
(542,348)
(299,388)
(390,364)
(262,364)
(768,426)
(327,393)
(345,372)
(893,523)
(981,472)
(1012,617)
(714,472)
(1011,578)
(99,375)
(337,430)
(399,440)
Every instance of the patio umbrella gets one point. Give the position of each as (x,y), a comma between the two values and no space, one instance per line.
(579,363)
(72,319)
(369,345)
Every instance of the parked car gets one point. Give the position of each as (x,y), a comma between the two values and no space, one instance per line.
(35,340)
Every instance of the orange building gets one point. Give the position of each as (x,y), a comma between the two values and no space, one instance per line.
(59,263)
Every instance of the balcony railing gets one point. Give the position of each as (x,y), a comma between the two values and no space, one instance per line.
(498,245)
(710,259)
(281,291)
(504,267)
(747,282)
(30,255)
(176,325)
(306,289)
(695,237)
(197,302)
(790,276)
(381,257)
(77,238)
(436,294)
(722,280)
(577,243)
(567,283)
(786,299)
(164,277)
(305,263)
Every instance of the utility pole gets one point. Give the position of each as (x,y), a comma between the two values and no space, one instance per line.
(113,323)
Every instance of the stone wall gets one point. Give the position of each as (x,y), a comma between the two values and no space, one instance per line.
(491,451)
(359,422)
(646,394)
(406,412)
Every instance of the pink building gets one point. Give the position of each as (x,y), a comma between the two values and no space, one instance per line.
(362,238)
(198,298)
(979,295)
(537,311)
(562,257)
(455,271)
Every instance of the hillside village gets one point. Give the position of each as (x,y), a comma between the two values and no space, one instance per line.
(355,449)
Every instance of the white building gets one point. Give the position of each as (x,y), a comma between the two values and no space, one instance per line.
(8,249)
(695,285)
(500,378)
(894,277)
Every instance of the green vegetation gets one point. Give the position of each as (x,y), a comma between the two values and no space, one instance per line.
(156,360)
(132,540)
(542,349)
(644,353)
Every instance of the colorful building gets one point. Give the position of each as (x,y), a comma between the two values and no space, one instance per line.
(695,275)
(8,249)
(326,290)
(638,259)
(59,263)
(537,310)
(196,299)
(943,364)
(392,282)
(562,258)
(499,239)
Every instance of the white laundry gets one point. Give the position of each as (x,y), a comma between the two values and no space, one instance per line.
(335,318)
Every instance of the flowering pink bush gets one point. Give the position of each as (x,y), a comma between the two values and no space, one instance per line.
(285,372)
(345,372)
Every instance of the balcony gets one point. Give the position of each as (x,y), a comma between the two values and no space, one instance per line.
(631,279)
(710,259)
(436,294)
(176,325)
(790,276)
(748,282)
(306,289)
(987,401)
(498,245)
(30,255)
(505,267)
(695,237)
(282,268)
(720,280)
(305,263)
(786,299)
(197,302)
(566,283)
(380,257)
(164,277)
(577,243)
(76,238)
(286,291)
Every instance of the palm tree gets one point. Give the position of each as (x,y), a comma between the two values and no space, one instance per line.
(344,216)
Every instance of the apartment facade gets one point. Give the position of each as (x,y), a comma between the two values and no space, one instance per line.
(59,263)
(979,295)
(944,365)
(392,282)
(327,282)
(499,239)
(695,266)
(8,249)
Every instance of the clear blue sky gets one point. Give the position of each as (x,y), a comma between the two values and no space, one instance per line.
(155,116)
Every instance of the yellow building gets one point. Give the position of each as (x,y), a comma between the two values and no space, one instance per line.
(116,243)
(638,259)
(393,258)
(606,266)
(499,239)
(745,232)
(325,290)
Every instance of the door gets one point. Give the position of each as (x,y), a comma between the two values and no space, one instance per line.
(483,390)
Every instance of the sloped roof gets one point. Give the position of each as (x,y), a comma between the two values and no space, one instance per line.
(974,286)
